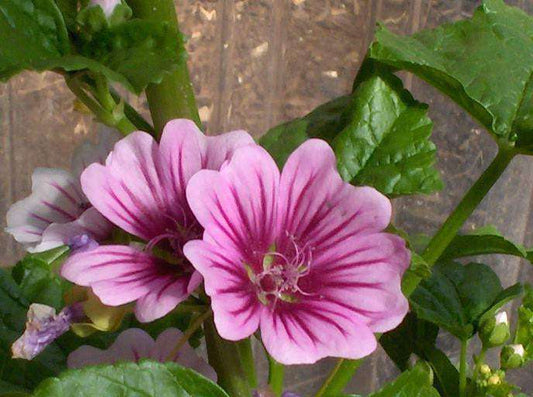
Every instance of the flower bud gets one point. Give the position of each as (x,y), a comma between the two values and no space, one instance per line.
(495,331)
(484,369)
(512,356)
(494,380)
(107,5)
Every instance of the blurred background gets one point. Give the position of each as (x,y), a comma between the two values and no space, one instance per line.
(257,63)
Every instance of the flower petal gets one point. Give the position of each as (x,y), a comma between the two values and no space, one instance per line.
(321,209)
(220,148)
(56,198)
(121,274)
(131,345)
(186,355)
(129,189)
(90,224)
(305,332)
(237,206)
(364,274)
(234,302)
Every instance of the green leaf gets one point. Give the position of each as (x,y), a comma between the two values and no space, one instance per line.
(134,53)
(484,64)
(485,240)
(37,280)
(418,270)
(456,296)
(416,382)
(21,374)
(415,336)
(379,133)
(146,378)
(325,122)
(32,32)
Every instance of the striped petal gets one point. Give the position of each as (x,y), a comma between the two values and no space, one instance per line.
(306,332)
(122,274)
(56,198)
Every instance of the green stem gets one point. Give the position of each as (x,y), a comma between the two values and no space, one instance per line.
(463,366)
(247,359)
(225,358)
(174,96)
(339,377)
(187,334)
(468,204)
(103,115)
(275,376)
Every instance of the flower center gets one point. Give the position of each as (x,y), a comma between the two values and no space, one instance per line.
(280,274)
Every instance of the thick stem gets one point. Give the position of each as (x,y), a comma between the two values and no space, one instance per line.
(225,358)
(468,204)
(174,96)
(339,378)
(247,360)
(463,366)
(275,376)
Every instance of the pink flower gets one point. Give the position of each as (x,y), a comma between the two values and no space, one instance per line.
(134,344)
(57,212)
(301,255)
(141,189)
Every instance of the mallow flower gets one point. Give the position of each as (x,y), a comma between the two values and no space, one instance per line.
(57,212)
(141,189)
(135,344)
(300,255)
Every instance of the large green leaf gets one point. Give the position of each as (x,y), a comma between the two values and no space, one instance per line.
(379,133)
(416,382)
(19,375)
(485,240)
(32,32)
(134,53)
(456,296)
(146,378)
(485,64)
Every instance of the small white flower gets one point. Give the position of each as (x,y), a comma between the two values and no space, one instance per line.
(518,349)
(107,5)
(501,318)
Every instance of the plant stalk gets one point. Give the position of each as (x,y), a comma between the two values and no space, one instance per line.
(173,97)
(463,366)
(468,204)
(275,376)
(339,377)
(225,358)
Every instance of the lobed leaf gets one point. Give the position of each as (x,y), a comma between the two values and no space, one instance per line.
(146,378)
(484,64)
(379,133)
(416,382)
(457,297)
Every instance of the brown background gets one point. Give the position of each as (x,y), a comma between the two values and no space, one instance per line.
(257,63)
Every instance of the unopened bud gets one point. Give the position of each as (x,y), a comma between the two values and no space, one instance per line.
(107,5)
(512,356)
(494,380)
(484,369)
(495,330)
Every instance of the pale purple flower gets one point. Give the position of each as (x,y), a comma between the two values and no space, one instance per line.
(301,255)
(108,6)
(43,327)
(57,211)
(135,344)
(141,189)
